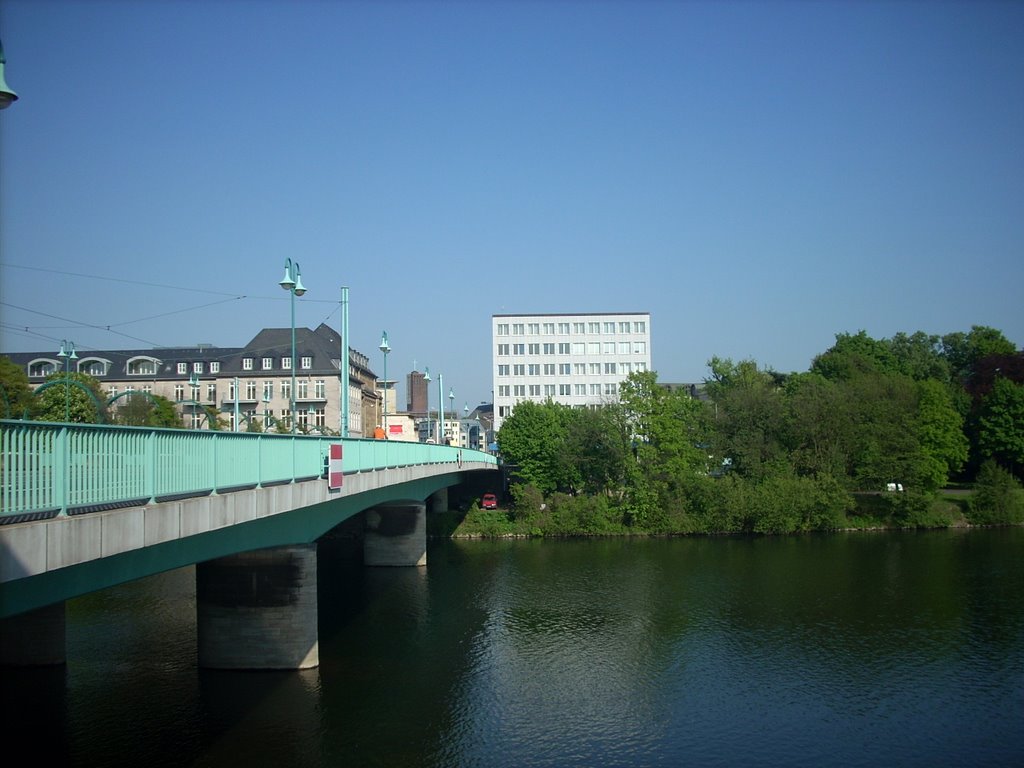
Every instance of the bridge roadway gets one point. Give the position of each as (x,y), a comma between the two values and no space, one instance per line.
(85,507)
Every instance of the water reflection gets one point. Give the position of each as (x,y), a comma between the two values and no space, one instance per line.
(867,649)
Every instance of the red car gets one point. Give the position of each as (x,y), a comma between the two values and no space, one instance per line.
(489,501)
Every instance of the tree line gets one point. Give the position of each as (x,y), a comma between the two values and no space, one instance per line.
(761,451)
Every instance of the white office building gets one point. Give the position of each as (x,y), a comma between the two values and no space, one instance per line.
(578,360)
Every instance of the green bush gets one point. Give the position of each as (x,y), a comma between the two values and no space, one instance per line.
(998,497)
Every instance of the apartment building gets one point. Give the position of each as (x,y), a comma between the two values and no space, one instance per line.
(579,360)
(242,385)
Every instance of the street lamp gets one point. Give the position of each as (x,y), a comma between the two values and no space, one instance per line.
(451,400)
(426,380)
(193,381)
(67,354)
(7,96)
(440,409)
(292,283)
(385,349)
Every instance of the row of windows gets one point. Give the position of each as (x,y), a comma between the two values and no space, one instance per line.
(564,329)
(570,369)
(267,363)
(559,390)
(575,348)
(198,367)
(302,389)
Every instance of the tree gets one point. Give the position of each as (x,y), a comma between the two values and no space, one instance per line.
(77,396)
(15,391)
(919,356)
(533,440)
(149,411)
(963,350)
(1001,425)
(940,432)
(748,422)
(856,354)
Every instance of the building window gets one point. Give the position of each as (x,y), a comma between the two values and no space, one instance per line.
(268,391)
(503,370)
(534,329)
(535,349)
(197,419)
(211,393)
(625,368)
(563,328)
(549,369)
(564,348)
(93,368)
(549,329)
(215,367)
(503,390)
(549,390)
(580,389)
(502,350)
(640,348)
(503,329)
(519,370)
(286,391)
(565,369)
(320,389)
(610,388)
(246,363)
(579,348)
(549,349)
(640,327)
(595,389)
(623,347)
(250,390)
(535,390)
(519,390)
(609,368)
(504,411)
(579,327)
(44,368)
(533,369)
(624,327)
(593,327)
(609,347)
(142,367)
(564,389)
(593,348)
(183,368)
(197,367)
(302,390)
(286,363)
(579,369)
(307,363)
(609,327)
(147,388)
(518,349)
(179,392)
(595,369)
(641,367)
(517,329)
(268,363)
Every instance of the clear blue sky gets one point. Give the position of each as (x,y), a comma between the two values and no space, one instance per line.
(759,176)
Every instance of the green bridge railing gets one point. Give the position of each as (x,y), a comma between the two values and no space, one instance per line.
(49,469)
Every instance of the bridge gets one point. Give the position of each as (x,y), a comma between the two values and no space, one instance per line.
(84,507)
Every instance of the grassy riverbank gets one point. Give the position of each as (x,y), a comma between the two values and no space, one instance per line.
(581,516)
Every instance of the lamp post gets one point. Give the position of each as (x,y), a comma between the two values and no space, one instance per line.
(440,409)
(451,402)
(266,411)
(193,381)
(67,354)
(385,349)
(292,282)
(7,96)
(426,380)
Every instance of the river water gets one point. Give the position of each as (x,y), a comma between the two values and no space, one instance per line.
(866,649)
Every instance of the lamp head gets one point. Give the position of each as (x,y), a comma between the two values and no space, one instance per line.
(426,375)
(384,343)
(299,287)
(287,282)
(7,96)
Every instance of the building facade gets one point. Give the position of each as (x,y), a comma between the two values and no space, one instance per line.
(242,386)
(579,360)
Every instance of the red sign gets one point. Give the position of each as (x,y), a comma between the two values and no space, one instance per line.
(335,476)
(395,429)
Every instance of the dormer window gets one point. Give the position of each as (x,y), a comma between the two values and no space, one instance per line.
(182,368)
(268,363)
(197,367)
(40,368)
(307,363)
(246,363)
(143,366)
(94,366)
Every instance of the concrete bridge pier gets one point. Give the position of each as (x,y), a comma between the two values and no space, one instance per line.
(258,610)
(34,639)
(438,500)
(396,535)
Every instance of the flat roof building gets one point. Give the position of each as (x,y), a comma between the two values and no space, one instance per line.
(579,360)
